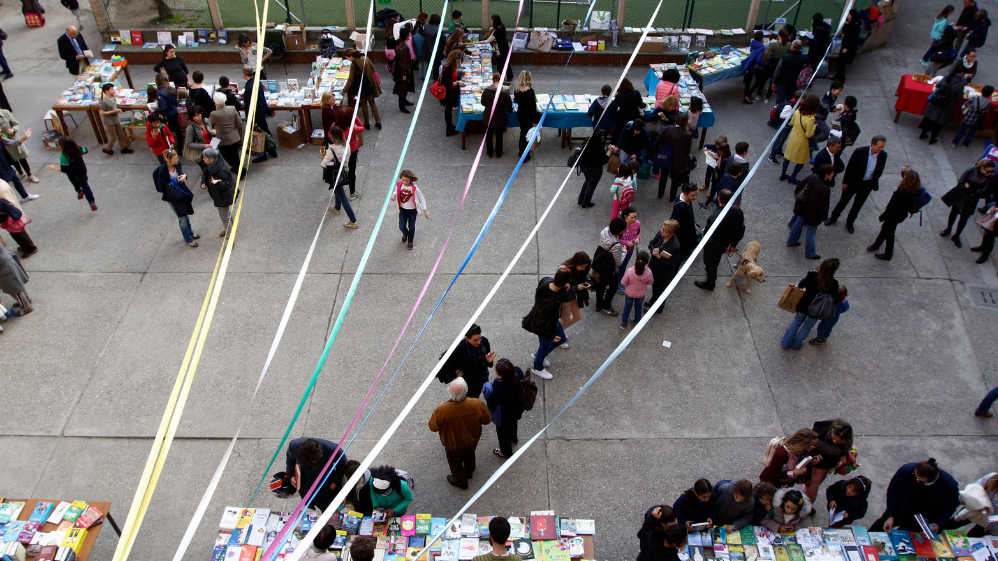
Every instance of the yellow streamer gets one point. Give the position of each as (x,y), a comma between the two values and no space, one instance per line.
(188,368)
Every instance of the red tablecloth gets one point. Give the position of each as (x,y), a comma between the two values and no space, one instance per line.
(913,97)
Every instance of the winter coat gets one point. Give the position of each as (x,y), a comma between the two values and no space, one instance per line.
(228,126)
(429,33)
(942,114)
(221,193)
(971,187)
(636,286)
(505,402)
(452,95)
(166,103)
(8,121)
(692,510)
(681,142)
(163,141)
(753,62)
(612,244)
(366,85)
(936,502)
(777,518)
(663,268)
(503,103)
(817,47)
(850,42)
(979,34)
(814,208)
(526,108)
(607,118)
(899,207)
(728,511)
(593,155)
(629,107)
(855,507)
(798,150)
(664,89)
(400,73)
(174,192)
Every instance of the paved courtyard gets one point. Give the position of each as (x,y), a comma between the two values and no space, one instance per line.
(117,294)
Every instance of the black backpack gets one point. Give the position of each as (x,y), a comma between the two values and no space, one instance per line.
(603,262)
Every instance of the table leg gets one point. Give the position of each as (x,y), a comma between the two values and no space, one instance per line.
(128,77)
(62,121)
(98,125)
(897,115)
(703,137)
(113,523)
(463,137)
(307,119)
(561,133)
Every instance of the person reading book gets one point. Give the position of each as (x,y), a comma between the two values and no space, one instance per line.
(733,504)
(695,505)
(919,488)
(306,458)
(386,491)
(657,519)
(847,501)
(498,535)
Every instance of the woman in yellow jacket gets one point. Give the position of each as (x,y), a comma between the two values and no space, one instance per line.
(799,145)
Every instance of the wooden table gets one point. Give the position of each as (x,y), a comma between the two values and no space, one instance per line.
(94,531)
(92,111)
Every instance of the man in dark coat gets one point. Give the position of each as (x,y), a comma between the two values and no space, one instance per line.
(307,457)
(682,212)
(787,71)
(681,139)
(965,22)
(496,126)
(262,109)
(725,239)
(816,47)
(811,199)
(861,178)
(919,488)
(71,47)
(831,154)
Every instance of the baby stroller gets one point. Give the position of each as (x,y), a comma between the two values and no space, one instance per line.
(327,48)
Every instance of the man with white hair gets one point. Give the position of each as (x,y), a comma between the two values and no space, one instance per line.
(228,130)
(459,421)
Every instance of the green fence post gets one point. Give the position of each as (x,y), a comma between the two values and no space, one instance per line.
(420,6)
(686,11)
(693,3)
(800,4)
(557,16)
(287,9)
(530,7)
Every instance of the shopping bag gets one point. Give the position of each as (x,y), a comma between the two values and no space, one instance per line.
(791,296)
(570,312)
(613,165)
(259,142)
(644,171)
(600,20)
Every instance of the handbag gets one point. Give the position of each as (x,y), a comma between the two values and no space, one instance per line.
(822,307)
(791,296)
(801,196)
(438,90)
(987,222)
(192,154)
(644,171)
(663,158)
(329,173)
(953,196)
(613,164)
(691,162)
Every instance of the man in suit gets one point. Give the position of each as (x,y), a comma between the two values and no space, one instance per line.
(71,46)
(861,178)
(725,239)
(262,109)
(831,154)
(497,124)
(682,212)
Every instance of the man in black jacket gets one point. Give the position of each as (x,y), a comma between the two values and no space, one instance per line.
(309,456)
(831,154)
(230,96)
(682,212)
(262,109)
(787,71)
(71,46)
(965,22)
(861,178)
(725,239)
(497,124)
(591,162)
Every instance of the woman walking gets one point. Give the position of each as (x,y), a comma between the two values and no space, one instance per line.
(526,108)
(363,81)
(754,68)
(351,130)
(218,180)
(798,148)
(429,34)
(591,162)
(901,205)
(963,198)
(940,52)
(850,44)
(410,200)
(198,135)
(335,152)
(665,258)
(402,70)
(16,155)
(505,402)
(71,163)
(939,27)
(942,103)
(170,181)
(818,281)
(544,319)
(452,89)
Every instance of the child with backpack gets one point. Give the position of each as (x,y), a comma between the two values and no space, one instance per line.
(825,326)
(636,281)
(410,200)
(71,163)
(622,190)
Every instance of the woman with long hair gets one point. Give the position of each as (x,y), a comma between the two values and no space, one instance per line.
(850,44)
(497,35)
(629,104)
(695,505)
(343,121)
(171,182)
(636,281)
(579,266)
(402,70)
(505,401)
(336,154)
(526,108)
(71,163)
(782,470)
(901,205)
(452,88)
(818,281)
(327,106)
(167,104)
(798,148)
(834,444)
(963,198)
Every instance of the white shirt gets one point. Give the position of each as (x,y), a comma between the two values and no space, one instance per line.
(415,201)
(871,165)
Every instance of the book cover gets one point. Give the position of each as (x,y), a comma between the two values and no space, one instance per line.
(469,525)
(881,541)
(202,35)
(752,552)
(164,37)
(576,548)
(524,548)
(10,511)
(438,526)
(747,535)
(736,553)
(847,538)
(585,527)
(923,545)
(568,528)
(28,532)
(697,553)
(468,548)
(398,545)
(903,544)
(980,550)
(449,550)
(869,553)
(245,518)
(47,553)
(941,549)
(453,531)
(58,513)
(516,527)
(223,36)
(483,526)
(248,553)
(74,539)
(542,527)
(351,522)
(484,547)
(394,526)
(957,541)
(796,552)
(137,37)
(766,551)
(423,521)
(90,517)
(366,526)
(41,512)
(417,541)
(732,536)
(853,553)
(782,553)
(408,525)
(721,551)
(13,529)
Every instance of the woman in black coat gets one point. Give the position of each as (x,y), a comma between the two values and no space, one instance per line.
(818,281)
(666,256)
(629,104)
(218,180)
(819,44)
(963,198)
(850,44)
(901,205)
(402,70)
(452,88)
(506,399)
(681,139)
(429,33)
(938,54)
(942,103)
(591,162)
(526,108)
(579,266)
(170,181)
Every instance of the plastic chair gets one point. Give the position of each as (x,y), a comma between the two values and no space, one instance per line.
(275,36)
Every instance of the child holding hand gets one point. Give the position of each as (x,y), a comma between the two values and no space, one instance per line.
(410,200)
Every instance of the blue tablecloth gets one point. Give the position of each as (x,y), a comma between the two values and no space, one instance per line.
(555,119)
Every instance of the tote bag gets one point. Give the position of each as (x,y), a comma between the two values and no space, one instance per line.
(788,301)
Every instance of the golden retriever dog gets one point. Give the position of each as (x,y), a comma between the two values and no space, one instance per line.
(748,268)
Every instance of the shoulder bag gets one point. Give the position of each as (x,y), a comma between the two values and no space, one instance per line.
(788,301)
(822,307)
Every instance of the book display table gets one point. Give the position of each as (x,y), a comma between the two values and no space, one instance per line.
(84,95)
(913,97)
(36,540)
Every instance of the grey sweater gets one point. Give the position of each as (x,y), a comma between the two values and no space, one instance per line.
(727,511)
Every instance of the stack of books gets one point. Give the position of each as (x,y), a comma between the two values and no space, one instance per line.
(70,522)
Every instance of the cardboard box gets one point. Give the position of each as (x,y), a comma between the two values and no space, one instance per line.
(652,45)
(360,41)
(289,137)
(294,38)
(318,137)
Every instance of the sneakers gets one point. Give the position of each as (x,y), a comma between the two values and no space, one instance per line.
(409,247)
(354,196)
(79,195)
(93,207)
(351,225)
(334,209)
(542,374)
(222,235)
(127,151)
(34,179)
(564,346)
(608,312)
(30,197)
(772,159)
(7,77)
(533,356)
(106,151)
(817,341)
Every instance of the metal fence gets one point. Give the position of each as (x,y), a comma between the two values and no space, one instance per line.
(148,14)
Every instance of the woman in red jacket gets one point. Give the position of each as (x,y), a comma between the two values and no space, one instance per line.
(158,136)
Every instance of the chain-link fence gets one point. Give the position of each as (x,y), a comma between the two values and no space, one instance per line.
(148,14)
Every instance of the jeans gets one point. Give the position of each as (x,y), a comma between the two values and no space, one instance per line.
(545,346)
(798,330)
(825,327)
(343,201)
(810,249)
(988,401)
(637,303)
(780,140)
(821,132)
(185,225)
(886,234)
(81,186)
(3,62)
(407,223)
(623,269)
(970,130)
(497,134)
(592,175)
